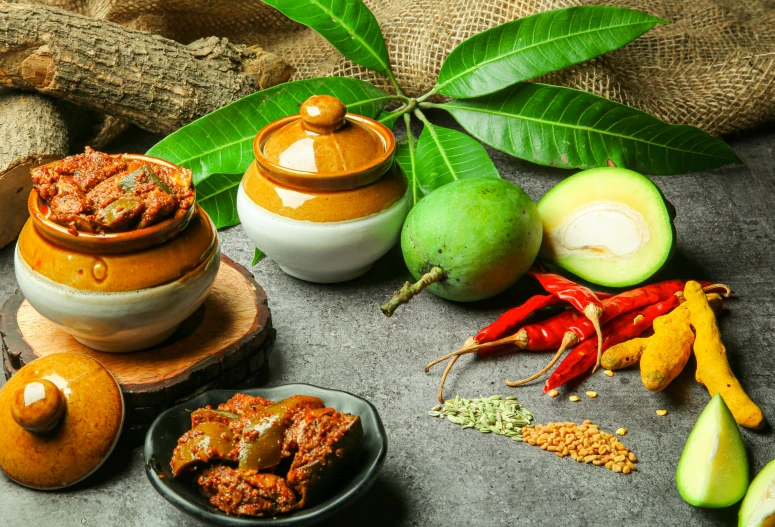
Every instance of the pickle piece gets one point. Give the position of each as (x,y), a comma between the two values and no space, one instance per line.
(312,479)
(120,212)
(205,442)
(261,445)
(205,415)
(130,181)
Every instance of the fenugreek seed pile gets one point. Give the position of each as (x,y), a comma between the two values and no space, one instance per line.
(496,414)
(585,443)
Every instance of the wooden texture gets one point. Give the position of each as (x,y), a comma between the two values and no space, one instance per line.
(33,131)
(224,344)
(155,83)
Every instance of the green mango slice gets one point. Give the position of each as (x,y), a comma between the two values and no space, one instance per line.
(713,469)
(758,508)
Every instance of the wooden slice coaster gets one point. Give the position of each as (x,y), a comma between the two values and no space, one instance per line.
(224,344)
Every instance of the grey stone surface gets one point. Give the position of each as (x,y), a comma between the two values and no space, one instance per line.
(436,474)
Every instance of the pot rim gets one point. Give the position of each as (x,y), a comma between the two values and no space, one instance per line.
(327,181)
(113,242)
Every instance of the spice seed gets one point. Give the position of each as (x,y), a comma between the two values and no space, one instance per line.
(621,431)
(609,373)
(574,398)
(496,414)
(661,412)
(591,395)
(553,393)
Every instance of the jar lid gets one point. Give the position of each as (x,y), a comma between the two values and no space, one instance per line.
(60,416)
(324,147)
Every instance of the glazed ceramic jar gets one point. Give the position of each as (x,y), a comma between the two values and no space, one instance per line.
(324,197)
(117,292)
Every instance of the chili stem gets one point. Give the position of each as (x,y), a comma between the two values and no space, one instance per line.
(406,293)
(569,339)
(470,341)
(593,312)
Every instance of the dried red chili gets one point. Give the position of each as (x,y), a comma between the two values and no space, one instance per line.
(625,327)
(514,317)
(580,297)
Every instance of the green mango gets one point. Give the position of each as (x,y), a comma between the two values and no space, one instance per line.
(471,239)
(713,469)
(758,508)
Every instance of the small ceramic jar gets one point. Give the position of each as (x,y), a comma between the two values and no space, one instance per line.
(324,197)
(117,292)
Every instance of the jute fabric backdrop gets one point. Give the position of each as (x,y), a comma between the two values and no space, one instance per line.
(711,66)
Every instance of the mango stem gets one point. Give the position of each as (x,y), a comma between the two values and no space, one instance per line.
(406,293)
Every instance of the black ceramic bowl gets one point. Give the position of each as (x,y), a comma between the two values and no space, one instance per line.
(170,425)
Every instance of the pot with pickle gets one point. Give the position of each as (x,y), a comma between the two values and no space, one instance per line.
(324,197)
(115,252)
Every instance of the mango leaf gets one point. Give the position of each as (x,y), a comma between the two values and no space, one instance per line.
(218,196)
(538,44)
(445,155)
(388,118)
(347,24)
(222,141)
(563,127)
(258,255)
(406,157)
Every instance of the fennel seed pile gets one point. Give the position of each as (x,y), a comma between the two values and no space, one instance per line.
(496,414)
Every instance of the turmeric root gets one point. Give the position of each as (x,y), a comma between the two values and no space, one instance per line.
(668,350)
(630,352)
(624,355)
(712,365)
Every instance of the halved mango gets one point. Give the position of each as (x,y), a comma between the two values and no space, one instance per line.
(609,226)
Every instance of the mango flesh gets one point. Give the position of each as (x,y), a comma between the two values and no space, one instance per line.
(758,508)
(610,226)
(713,469)
(484,233)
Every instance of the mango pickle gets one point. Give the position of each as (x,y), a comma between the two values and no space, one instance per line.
(206,441)
(121,212)
(262,439)
(129,182)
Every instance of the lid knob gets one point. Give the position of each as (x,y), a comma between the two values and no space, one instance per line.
(37,406)
(323,113)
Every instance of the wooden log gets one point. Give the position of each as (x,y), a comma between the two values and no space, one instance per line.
(155,83)
(33,131)
(225,344)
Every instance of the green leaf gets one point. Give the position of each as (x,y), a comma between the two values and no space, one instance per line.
(405,156)
(347,24)
(389,118)
(222,141)
(217,195)
(538,44)
(445,155)
(258,255)
(563,127)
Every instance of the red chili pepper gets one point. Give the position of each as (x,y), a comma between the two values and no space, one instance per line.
(625,327)
(510,321)
(580,297)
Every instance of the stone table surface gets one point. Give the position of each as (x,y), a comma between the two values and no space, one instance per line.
(436,474)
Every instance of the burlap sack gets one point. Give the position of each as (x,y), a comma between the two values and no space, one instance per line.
(712,66)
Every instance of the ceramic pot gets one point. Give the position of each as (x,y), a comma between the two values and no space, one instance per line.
(324,197)
(117,292)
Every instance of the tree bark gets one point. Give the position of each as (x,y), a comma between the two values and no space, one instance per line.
(33,131)
(155,83)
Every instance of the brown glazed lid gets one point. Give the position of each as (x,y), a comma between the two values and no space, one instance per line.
(324,147)
(60,418)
